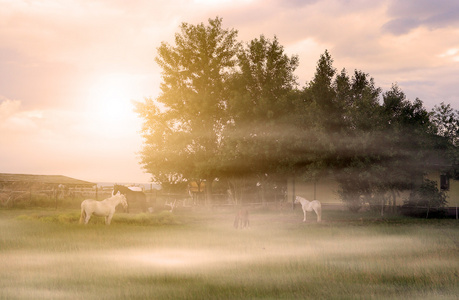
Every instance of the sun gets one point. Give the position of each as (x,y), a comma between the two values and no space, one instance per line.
(110,102)
(111,94)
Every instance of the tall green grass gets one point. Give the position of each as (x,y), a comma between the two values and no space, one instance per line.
(199,255)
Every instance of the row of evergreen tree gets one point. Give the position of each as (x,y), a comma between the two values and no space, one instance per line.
(231,110)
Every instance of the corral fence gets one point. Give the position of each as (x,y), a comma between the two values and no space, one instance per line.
(158,200)
(48,196)
(65,197)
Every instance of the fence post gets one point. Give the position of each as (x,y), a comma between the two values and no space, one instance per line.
(55,195)
(293,192)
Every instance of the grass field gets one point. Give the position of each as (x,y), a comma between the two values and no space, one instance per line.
(199,255)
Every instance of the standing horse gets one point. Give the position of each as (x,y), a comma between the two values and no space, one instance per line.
(310,206)
(132,196)
(104,208)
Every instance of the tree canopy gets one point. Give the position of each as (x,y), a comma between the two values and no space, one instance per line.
(259,104)
(231,109)
(183,138)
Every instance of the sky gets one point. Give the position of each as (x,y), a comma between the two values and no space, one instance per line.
(71,69)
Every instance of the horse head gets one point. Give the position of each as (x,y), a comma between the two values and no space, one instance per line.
(116,190)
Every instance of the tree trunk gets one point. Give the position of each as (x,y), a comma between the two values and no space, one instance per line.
(382,206)
(394,201)
(293,193)
(209,192)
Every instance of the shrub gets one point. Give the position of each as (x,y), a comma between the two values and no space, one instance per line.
(425,200)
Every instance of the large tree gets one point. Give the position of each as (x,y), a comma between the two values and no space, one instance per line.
(364,140)
(322,94)
(182,127)
(390,145)
(260,103)
(446,122)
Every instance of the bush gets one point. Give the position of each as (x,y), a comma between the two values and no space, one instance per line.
(426,200)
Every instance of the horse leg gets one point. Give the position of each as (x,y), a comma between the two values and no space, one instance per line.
(88,216)
(82,216)
(304,213)
(318,212)
(108,219)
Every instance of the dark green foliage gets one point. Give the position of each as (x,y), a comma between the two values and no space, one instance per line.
(182,127)
(425,201)
(254,138)
(446,122)
(235,112)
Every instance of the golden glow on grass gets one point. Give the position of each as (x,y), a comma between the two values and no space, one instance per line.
(203,258)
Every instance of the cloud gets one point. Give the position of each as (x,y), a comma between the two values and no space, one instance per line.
(74,143)
(401,25)
(8,107)
(13,120)
(53,53)
(411,14)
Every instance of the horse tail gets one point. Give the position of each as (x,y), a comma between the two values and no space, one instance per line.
(83,214)
(319,212)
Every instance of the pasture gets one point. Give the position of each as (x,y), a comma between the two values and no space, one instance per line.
(199,255)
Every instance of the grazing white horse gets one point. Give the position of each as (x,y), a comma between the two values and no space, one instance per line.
(310,206)
(104,208)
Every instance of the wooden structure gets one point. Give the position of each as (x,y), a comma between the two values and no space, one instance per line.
(196,191)
(194,187)
(16,188)
(21,181)
(325,189)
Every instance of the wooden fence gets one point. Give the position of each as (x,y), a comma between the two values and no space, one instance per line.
(157,200)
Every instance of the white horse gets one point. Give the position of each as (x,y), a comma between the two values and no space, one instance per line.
(310,206)
(104,208)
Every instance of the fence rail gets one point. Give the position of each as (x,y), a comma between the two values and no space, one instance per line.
(73,196)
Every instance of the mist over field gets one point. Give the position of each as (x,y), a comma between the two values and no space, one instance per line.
(200,255)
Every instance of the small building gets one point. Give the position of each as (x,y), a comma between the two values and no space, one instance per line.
(22,188)
(29,181)
(325,189)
